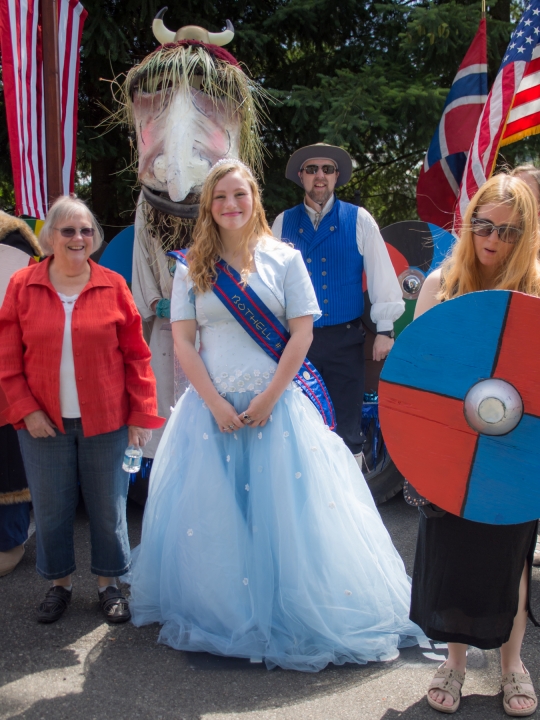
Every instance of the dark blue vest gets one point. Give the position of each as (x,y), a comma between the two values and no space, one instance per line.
(332,259)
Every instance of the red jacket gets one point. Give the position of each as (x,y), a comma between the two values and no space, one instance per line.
(115,383)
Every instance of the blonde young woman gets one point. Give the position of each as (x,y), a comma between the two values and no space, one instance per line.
(470,580)
(260,537)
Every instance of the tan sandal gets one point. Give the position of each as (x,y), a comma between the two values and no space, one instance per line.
(444,680)
(515,680)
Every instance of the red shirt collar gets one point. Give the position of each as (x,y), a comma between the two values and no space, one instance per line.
(98,276)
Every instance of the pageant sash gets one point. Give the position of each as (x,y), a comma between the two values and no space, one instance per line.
(261,324)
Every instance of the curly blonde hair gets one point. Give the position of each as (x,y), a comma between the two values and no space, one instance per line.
(207,247)
(461,271)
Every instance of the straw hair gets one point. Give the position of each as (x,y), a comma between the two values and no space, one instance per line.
(207,246)
(61,211)
(181,67)
(461,271)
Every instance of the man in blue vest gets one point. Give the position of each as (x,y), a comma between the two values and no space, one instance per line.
(339,242)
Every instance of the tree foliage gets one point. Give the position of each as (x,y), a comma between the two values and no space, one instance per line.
(370,76)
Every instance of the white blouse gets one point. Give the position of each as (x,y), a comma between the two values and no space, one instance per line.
(69,397)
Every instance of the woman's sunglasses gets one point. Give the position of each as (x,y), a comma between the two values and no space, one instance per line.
(312,169)
(69,232)
(506,233)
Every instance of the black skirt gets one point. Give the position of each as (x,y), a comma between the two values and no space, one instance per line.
(466,577)
(13,485)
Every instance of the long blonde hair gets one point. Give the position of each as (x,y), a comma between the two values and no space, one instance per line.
(461,271)
(207,246)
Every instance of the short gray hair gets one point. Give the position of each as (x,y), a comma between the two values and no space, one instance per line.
(64,208)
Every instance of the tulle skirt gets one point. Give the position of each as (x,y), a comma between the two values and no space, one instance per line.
(266,544)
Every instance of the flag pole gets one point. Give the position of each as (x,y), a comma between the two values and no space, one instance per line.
(483,9)
(51,87)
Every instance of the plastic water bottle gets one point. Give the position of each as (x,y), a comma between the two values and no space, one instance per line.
(132,459)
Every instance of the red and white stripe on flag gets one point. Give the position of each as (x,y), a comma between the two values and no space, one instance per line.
(512,99)
(524,117)
(22,75)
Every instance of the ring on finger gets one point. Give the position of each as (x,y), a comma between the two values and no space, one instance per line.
(231,427)
(246,419)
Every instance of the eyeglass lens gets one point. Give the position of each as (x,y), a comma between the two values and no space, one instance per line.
(312,169)
(506,233)
(69,232)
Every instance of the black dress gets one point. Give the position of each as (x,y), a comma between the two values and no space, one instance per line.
(466,578)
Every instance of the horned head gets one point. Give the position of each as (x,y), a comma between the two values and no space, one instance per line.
(190,32)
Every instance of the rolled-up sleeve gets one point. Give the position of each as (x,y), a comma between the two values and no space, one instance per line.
(300,298)
(140,380)
(387,303)
(183,296)
(13,381)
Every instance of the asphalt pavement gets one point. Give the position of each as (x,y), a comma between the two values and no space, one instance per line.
(83,668)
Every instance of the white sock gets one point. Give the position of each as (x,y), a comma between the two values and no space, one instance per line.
(102,589)
(66,587)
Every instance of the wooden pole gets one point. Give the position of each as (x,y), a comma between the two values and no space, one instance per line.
(51,87)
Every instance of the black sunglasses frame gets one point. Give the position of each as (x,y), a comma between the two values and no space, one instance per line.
(314,169)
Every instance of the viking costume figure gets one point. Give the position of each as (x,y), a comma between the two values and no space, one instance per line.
(19,247)
(190,104)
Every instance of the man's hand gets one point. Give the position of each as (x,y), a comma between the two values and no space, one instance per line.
(39,425)
(382,346)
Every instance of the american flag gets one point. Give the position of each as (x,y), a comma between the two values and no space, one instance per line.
(22,75)
(440,177)
(512,110)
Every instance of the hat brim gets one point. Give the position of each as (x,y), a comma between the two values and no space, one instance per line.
(320,150)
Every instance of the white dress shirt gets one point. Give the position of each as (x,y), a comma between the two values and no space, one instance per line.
(387,303)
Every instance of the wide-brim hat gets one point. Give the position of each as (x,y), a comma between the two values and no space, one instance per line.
(320,150)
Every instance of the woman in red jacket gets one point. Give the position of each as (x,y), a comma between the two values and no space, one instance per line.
(76,373)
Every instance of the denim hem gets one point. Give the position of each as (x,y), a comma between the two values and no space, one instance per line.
(56,576)
(111,573)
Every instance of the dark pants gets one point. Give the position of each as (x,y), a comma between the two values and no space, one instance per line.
(14,521)
(337,352)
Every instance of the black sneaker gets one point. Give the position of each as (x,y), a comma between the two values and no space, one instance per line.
(114,605)
(56,601)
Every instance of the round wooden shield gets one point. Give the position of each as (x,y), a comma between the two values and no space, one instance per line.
(416,249)
(459,404)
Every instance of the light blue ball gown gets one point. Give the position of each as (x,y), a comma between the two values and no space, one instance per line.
(265,543)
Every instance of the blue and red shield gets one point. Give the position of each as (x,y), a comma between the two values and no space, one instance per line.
(459,403)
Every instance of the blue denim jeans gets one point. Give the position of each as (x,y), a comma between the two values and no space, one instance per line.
(54,467)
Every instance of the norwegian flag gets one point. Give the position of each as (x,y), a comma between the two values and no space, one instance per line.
(440,177)
(22,75)
(512,109)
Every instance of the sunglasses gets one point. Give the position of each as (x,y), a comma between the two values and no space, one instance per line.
(506,233)
(69,232)
(312,169)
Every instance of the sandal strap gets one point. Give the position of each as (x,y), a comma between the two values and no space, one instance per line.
(56,598)
(113,603)
(448,676)
(515,681)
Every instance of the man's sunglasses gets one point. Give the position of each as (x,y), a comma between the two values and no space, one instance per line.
(312,169)
(69,232)
(506,233)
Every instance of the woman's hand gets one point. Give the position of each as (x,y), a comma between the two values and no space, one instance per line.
(225,415)
(138,436)
(39,425)
(259,410)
